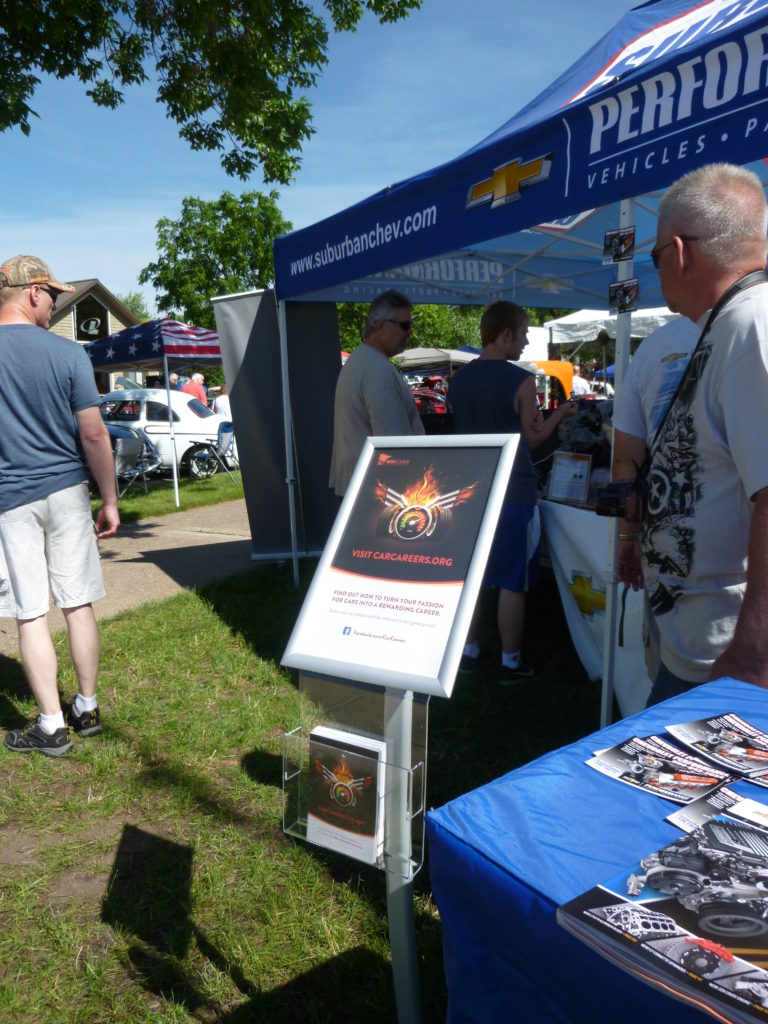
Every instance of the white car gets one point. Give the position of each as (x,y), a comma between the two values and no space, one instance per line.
(146,409)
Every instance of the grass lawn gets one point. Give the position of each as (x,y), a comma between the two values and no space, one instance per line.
(159,501)
(146,877)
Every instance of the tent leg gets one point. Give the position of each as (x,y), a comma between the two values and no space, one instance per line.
(174,467)
(290,475)
(623,335)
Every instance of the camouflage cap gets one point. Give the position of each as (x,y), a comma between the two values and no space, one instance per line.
(22,271)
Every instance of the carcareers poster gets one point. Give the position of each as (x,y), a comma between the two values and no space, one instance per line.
(386,597)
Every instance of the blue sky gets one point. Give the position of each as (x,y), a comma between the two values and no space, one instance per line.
(85,190)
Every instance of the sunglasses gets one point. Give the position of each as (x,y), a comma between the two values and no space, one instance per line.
(52,295)
(655,251)
(406,325)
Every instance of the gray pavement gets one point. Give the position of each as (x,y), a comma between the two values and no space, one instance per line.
(157,558)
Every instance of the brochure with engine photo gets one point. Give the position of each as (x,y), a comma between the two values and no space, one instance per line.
(691,918)
(726,740)
(656,766)
(697,812)
(345,793)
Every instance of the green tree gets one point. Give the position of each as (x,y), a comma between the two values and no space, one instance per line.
(433,326)
(215,248)
(229,72)
(538,316)
(137,304)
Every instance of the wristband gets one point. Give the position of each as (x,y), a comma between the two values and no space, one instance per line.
(630,536)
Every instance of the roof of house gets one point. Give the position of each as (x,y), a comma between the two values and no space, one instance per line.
(92,286)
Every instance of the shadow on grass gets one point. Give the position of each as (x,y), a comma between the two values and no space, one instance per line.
(13,689)
(262,605)
(148,902)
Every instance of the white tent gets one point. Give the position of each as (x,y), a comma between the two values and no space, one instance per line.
(418,358)
(586,324)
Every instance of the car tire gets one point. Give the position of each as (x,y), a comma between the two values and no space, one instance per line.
(200,462)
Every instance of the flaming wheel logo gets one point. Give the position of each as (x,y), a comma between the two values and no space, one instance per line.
(416,512)
(343,787)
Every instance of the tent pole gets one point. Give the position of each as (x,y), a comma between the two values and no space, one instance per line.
(170,424)
(610,638)
(290,476)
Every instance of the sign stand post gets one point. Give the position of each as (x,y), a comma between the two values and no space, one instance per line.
(381,629)
(398,707)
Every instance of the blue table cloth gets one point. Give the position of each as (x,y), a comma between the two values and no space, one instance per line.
(502,858)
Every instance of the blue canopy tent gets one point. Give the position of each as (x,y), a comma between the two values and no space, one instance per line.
(610,373)
(152,344)
(523,215)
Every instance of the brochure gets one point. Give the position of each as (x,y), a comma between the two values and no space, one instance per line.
(691,918)
(656,766)
(345,796)
(694,814)
(726,740)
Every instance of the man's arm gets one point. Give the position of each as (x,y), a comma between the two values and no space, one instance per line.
(747,656)
(535,430)
(94,438)
(628,455)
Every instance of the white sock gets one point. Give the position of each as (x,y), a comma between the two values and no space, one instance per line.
(510,660)
(50,723)
(472,650)
(82,703)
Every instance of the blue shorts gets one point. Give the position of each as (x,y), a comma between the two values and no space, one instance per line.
(513,563)
(667,685)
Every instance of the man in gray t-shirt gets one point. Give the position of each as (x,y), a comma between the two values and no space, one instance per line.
(371,396)
(46,526)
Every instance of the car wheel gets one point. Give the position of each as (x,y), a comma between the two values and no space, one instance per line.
(200,462)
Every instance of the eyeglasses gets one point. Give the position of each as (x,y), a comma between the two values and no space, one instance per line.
(406,325)
(656,250)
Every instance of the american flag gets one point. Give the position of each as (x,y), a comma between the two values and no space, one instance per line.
(146,344)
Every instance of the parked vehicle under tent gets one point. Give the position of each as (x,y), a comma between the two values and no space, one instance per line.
(523,215)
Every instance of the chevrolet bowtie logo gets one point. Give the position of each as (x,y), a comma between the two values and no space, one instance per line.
(587,598)
(506,182)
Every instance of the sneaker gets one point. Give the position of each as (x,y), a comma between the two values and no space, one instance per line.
(510,676)
(34,738)
(86,724)
(468,664)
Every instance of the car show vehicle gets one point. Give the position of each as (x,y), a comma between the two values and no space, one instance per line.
(195,427)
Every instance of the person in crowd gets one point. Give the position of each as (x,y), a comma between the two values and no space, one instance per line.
(46,527)
(649,385)
(492,396)
(221,403)
(173,380)
(372,398)
(194,387)
(580,385)
(704,536)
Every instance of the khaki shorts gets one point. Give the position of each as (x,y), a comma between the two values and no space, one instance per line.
(52,542)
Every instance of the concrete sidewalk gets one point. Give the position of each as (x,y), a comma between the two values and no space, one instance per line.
(157,558)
